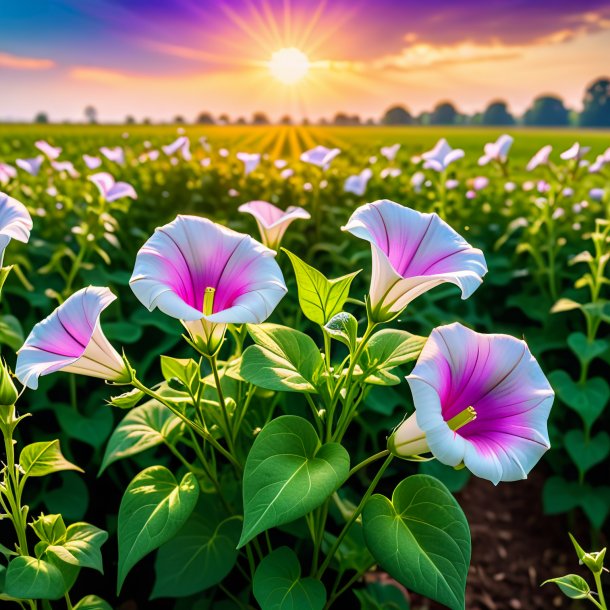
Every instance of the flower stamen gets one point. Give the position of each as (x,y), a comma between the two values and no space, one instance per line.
(462,418)
(208,301)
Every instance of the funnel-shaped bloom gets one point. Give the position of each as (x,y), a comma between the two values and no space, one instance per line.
(272,221)
(250,161)
(71,340)
(31,166)
(51,152)
(412,253)
(92,162)
(479,399)
(320,156)
(65,166)
(390,152)
(497,151)
(7,173)
(110,189)
(207,276)
(116,154)
(441,156)
(182,145)
(357,184)
(576,151)
(540,158)
(15,222)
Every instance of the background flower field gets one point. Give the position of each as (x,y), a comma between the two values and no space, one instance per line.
(535,228)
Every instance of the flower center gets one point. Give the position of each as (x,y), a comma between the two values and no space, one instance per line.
(462,418)
(208,301)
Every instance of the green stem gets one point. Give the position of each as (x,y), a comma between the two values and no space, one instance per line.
(72,386)
(68,601)
(368,461)
(354,516)
(600,591)
(223,404)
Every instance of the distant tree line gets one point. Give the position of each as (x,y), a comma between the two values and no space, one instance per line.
(545,111)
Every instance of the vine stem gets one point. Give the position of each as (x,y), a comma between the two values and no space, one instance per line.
(600,592)
(223,404)
(354,516)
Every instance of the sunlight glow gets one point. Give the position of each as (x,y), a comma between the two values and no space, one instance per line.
(289,65)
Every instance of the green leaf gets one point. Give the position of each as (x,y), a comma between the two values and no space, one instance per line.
(153,510)
(81,547)
(92,428)
(201,554)
(50,528)
(571,585)
(278,584)
(70,499)
(184,370)
(40,459)
(587,399)
(453,479)
(30,578)
(92,602)
(381,596)
(283,359)
(586,350)
(344,328)
(388,349)
(142,428)
(11,333)
(587,453)
(288,473)
(127,400)
(560,496)
(421,538)
(319,298)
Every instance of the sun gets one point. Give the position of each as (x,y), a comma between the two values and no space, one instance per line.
(289,65)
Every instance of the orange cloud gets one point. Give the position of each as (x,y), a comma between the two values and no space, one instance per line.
(99,75)
(14,62)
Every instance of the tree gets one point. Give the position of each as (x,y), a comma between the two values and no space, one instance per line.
(241,121)
(224,119)
(596,104)
(147,121)
(343,119)
(41,117)
(497,114)
(205,118)
(305,122)
(179,119)
(91,114)
(397,115)
(286,120)
(547,110)
(260,118)
(130,120)
(444,113)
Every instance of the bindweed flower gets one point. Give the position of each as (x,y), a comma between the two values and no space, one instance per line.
(7,173)
(417,180)
(182,145)
(481,400)
(575,152)
(116,154)
(286,173)
(207,276)
(250,161)
(471,194)
(390,152)
(390,172)
(280,163)
(480,182)
(15,222)
(509,187)
(412,253)
(92,162)
(357,184)
(320,156)
(111,190)
(451,184)
(497,151)
(31,166)
(596,194)
(51,152)
(441,156)
(540,158)
(272,221)
(71,340)
(65,166)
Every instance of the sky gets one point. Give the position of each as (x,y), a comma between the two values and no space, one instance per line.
(162,58)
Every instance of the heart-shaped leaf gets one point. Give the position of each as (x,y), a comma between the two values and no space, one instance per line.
(587,399)
(200,555)
(40,459)
(31,578)
(571,585)
(344,328)
(81,546)
(92,602)
(278,584)
(319,298)
(421,538)
(584,349)
(587,453)
(283,359)
(153,510)
(288,473)
(142,428)
(560,496)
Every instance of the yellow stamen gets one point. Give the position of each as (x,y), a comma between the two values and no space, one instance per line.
(208,301)
(462,418)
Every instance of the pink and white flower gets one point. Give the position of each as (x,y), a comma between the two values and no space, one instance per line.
(71,340)
(390,152)
(31,166)
(441,156)
(412,253)
(272,221)
(111,190)
(15,222)
(182,145)
(207,276)
(116,154)
(497,151)
(7,173)
(540,158)
(92,162)
(357,184)
(65,166)
(575,152)
(250,161)
(51,152)
(320,156)
(481,400)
